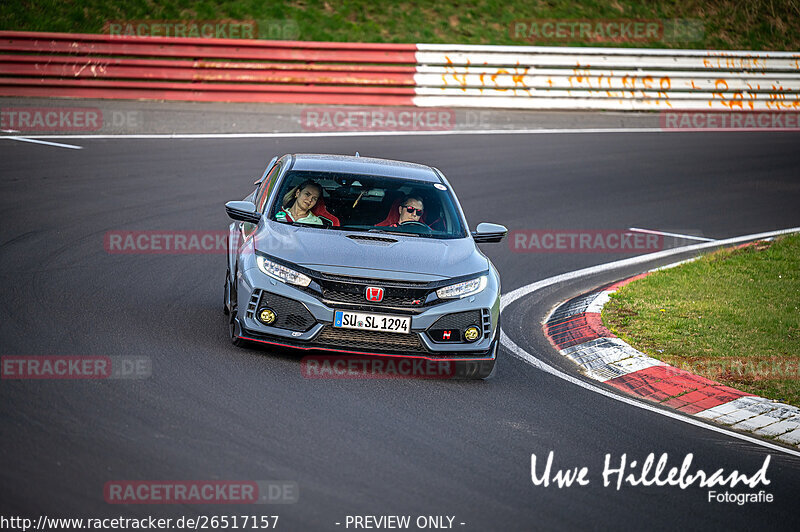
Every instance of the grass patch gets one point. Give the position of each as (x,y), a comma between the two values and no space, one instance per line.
(726,24)
(732,316)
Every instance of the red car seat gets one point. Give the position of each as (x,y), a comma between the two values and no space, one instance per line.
(320,210)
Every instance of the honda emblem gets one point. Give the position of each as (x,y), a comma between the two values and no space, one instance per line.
(374,294)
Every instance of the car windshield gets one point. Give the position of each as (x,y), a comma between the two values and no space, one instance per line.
(367,203)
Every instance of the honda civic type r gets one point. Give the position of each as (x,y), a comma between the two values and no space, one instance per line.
(362,256)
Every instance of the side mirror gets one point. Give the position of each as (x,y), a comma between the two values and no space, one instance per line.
(243,211)
(486,232)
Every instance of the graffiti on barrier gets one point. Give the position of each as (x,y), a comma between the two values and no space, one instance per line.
(732,93)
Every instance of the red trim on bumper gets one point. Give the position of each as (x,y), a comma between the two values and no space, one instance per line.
(315,348)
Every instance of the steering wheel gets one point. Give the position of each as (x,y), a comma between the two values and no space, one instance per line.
(415,223)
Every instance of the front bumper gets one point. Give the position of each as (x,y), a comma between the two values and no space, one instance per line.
(308,322)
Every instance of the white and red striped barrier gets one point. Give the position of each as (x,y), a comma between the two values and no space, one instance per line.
(426,75)
(538,77)
(203,69)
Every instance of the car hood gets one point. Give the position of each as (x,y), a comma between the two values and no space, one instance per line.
(369,254)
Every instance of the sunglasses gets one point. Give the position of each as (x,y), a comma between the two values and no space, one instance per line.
(412,210)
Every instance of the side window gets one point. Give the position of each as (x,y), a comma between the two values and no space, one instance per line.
(262,194)
(268,185)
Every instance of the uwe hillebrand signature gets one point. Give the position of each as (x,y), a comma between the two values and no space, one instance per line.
(650,472)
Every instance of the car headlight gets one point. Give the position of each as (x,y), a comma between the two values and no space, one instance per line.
(282,273)
(467,288)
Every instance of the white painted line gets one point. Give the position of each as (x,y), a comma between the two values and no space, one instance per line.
(664,233)
(633,261)
(56,144)
(313,134)
(383,133)
(523,355)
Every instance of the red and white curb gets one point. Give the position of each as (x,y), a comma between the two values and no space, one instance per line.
(575,329)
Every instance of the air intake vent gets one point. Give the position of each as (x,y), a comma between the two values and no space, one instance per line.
(370,340)
(459,320)
(454,326)
(253,303)
(381,241)
(292,314)
(487,321)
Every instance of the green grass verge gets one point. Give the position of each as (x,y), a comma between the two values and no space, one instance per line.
(732,316)
(726,24)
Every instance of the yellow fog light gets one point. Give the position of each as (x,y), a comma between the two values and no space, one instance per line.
(471,334)
(266,316)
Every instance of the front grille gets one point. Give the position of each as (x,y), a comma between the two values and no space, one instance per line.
(291,314)
(355,294)
(370,340)
(369,281)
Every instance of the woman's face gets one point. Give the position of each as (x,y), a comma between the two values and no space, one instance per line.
(414,216)
(307,197)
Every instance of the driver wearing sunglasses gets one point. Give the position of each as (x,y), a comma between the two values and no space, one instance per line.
(411,210)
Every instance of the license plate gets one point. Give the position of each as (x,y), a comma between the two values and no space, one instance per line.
(371,322)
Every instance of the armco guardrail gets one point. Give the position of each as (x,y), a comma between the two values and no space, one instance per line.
(521,77)
(193,69)
(536,77)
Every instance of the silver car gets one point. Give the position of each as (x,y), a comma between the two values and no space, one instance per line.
(362,256)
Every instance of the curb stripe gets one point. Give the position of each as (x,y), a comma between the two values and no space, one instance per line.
(576,330)
(698,421)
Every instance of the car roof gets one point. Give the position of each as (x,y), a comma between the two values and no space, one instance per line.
(364,165)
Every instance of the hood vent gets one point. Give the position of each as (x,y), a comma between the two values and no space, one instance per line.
(379,240)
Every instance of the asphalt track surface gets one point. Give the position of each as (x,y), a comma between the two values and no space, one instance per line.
(355,447)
